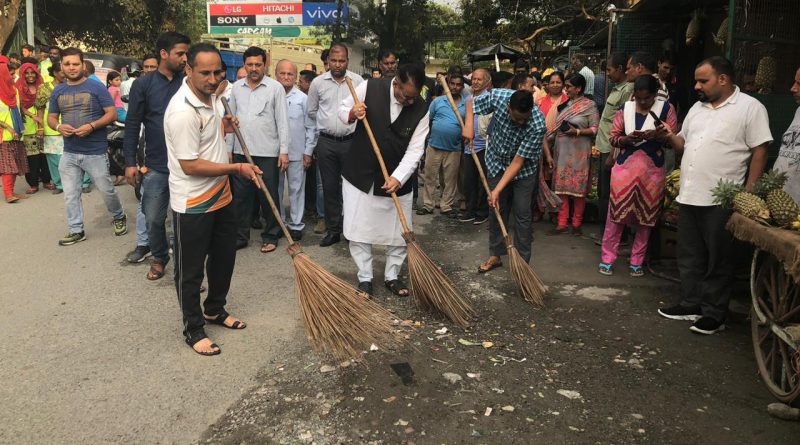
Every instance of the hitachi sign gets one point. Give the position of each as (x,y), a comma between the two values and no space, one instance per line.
(279,8)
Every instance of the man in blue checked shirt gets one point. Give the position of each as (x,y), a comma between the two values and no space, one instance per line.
(512,159)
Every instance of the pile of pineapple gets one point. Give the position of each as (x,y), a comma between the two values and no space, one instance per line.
(768,203)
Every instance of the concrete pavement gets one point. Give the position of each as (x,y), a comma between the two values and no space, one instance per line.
(93,352)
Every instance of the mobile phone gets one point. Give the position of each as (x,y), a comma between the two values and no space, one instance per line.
(656,119)
(565,126)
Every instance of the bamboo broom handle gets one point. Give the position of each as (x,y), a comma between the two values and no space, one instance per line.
(380,158)
(503,229)
(259,179)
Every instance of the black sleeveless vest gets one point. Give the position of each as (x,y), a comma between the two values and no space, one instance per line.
(361,166)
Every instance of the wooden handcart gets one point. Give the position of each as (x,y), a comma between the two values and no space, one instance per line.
(775,315)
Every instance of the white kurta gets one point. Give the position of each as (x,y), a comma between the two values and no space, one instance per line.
(373,219)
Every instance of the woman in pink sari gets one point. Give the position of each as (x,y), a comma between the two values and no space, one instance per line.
(568,150)
(637,178)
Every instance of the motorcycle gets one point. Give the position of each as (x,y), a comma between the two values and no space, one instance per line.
(116,153)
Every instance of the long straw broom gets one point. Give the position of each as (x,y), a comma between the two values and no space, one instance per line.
(430,287)
(339,319)
(528,283)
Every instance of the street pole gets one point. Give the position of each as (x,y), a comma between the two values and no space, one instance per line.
(29,21)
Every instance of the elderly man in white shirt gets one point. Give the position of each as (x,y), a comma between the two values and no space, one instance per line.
(399,120)
(326,93)
(301,147)
(259,103)
(724,136)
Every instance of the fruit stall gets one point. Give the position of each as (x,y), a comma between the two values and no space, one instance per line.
(768,219)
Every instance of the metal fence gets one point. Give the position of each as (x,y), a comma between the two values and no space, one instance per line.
(765,51)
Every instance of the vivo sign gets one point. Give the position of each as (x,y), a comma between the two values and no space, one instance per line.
(322,13)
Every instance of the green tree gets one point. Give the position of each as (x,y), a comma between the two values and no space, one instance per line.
(9,13)
(487,22)
(126,27)
(401,25)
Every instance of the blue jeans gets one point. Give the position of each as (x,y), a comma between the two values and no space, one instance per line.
(141,227)
(52,163)
(72,168)
(155,203)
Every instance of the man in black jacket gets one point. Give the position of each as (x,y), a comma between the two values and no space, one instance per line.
(399,120)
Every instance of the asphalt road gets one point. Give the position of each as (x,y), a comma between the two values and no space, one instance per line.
(93,352)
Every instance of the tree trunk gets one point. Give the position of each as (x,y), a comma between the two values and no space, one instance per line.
(9,11)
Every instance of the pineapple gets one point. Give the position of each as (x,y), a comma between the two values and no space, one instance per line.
(721,37)
(751,206)
(724,192)
(772,180)
(781,205)
(765,74)
(731,195)
(693,29)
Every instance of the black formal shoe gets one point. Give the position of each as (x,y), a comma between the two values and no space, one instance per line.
(330,239)
(241,244)
(297,235)
(366,287)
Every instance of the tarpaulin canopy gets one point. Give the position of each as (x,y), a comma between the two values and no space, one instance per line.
(499,50)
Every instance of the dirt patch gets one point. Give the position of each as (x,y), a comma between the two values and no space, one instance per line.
(605,371)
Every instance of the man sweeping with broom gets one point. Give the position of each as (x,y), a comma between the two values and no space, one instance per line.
(512,159)
(399,121)
(200,196)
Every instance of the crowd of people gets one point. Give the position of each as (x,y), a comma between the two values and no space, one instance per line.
(533,134)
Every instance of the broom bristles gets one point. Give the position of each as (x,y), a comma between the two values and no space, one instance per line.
(338,318)
(529,284)
(432,290)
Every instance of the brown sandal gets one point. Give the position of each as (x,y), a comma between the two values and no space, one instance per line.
(268,247)
(155,273)
(487,266)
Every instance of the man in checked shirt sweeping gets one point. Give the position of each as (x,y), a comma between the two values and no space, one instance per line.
(512,160)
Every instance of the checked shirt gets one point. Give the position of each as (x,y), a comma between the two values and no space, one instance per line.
(508,139)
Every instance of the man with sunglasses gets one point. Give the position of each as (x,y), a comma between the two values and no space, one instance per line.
(399,120)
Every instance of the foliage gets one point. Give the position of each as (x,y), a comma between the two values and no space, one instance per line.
(9,12)
(487,22)
(125,27)
(404,26)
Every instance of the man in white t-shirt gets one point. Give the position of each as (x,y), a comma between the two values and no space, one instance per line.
(200,196)
(724,136)
(579,66)
(789,155)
